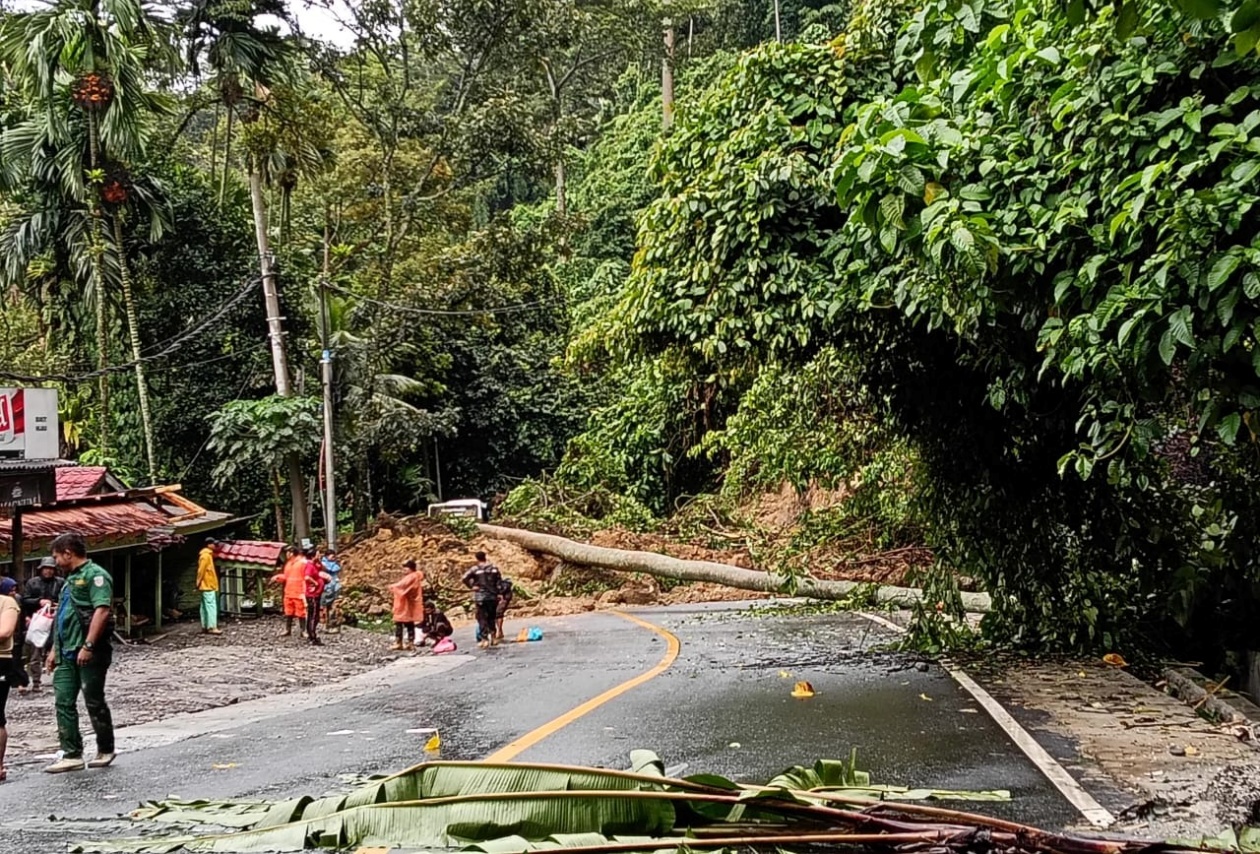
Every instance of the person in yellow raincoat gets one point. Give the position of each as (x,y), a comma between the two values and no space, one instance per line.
(408,605)
(208,589)
(293,577)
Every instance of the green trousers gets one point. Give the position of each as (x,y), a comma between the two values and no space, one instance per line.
(68,680)
(209,609)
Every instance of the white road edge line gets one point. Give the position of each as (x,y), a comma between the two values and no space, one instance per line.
(1094,812)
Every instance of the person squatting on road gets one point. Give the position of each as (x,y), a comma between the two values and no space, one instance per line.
(293,577)
(10,658)
(42,591)
(81,654)
(208,588)
(484,579)
(314,579)
(436,626)
(408,605)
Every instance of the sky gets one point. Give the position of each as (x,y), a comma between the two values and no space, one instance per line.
(315,20)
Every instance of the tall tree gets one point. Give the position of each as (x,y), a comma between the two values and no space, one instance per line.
(96,55)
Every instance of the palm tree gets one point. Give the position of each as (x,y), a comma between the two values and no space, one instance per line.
(96,55)
(222,36)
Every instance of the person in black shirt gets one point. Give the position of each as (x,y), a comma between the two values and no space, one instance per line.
(484,580)
(41,590)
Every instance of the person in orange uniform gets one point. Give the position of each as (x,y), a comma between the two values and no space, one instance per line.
(408,605)
(293,577)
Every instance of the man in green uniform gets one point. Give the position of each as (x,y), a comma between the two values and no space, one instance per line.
(81,654)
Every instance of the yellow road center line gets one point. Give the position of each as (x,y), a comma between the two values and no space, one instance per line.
(510,751)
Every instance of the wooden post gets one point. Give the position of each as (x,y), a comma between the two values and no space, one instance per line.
(19,571)
(157,598)
(127,593)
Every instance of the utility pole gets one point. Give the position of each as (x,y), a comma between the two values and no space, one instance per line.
(667,78)
(326,374)
(778,31)
(271,294)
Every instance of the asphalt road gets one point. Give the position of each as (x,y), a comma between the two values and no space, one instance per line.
(722,707)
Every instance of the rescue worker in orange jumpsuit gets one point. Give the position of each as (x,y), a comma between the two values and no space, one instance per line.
(293,577)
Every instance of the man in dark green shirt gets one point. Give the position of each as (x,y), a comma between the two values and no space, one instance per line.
(81,654)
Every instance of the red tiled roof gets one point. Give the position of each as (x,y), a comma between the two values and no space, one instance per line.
(103,525)
(78,481)
(249,551)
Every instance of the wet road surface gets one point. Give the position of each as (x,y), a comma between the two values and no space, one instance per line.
(723,707)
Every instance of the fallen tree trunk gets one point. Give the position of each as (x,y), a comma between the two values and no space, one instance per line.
(624,560)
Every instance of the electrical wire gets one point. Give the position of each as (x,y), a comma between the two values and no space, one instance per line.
(218,313)
(173,345)
(432,312)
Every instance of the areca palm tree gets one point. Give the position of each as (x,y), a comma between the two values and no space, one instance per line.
(223,37)
(83,67)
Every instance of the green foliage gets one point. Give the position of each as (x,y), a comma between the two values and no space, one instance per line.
(1030,238)
(246,434)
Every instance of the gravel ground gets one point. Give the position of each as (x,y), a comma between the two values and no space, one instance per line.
(186,671)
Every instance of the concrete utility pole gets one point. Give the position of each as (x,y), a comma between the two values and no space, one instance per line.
(271,294)
(667,78)
(326,374)
(778,30)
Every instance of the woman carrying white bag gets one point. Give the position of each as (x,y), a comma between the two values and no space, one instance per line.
(39,606)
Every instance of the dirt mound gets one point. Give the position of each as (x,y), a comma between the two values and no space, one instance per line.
(373,563)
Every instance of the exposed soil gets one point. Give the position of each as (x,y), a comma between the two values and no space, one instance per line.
(151,681)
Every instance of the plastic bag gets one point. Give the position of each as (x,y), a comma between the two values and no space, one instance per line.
(535,634)
(40,627)
(444,645)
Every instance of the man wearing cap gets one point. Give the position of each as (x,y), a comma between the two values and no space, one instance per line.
(41,591)
(208,588)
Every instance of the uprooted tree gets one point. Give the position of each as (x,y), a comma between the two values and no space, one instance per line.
(1028,230)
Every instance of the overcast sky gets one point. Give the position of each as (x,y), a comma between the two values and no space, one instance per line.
(315,21)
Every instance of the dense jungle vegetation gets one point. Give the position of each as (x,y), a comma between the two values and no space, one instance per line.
(990,266)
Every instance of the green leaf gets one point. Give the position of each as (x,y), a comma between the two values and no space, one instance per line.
(1050,55)
(1202,9)
(1245,16)
(1179,323)
(1167,346)
(1227,427)
(1127,19)
(1222,269)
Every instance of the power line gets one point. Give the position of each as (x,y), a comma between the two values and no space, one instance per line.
(175,344)
(432,312)
(222,310)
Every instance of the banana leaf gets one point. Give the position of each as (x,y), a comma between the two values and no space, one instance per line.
(446,805)
(826,773)
(219,813)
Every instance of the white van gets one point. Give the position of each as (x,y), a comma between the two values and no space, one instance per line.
(471,507)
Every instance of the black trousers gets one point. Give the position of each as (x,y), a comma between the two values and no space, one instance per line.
(487,612)
(312,616)
(398,631)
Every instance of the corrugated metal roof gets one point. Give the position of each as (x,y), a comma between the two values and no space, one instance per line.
(33,465)
(106,525)
(249,551)
(78,481)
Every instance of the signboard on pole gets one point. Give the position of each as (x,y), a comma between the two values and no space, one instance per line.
(28,424)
